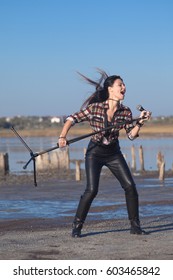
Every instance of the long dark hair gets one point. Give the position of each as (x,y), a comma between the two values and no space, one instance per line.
(101,93)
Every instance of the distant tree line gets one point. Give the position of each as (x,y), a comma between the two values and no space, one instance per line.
(31,122)
(162,120)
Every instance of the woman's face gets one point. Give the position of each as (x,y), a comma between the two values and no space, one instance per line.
(117,90)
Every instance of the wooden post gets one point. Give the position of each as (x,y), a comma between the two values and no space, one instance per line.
(141,159)
(78,170)
(133,166)
(63,158)
(43,162)
(162,171)
(160,159)
(161,166)
(54,160)
(4,163)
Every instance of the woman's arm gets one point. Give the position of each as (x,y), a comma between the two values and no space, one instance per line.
(70,121)
(62,141)
(145,116)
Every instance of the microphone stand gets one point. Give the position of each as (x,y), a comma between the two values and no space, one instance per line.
(73,140)
(31,154)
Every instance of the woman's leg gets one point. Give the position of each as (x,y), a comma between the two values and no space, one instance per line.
(120,169)
(93,168)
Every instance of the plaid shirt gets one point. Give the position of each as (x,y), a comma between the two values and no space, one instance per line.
(96,115)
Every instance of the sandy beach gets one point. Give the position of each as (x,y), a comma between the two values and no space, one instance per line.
(45,234)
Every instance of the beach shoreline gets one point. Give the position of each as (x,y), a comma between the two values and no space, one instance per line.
(49,237)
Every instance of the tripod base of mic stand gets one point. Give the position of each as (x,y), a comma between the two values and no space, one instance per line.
(34,167)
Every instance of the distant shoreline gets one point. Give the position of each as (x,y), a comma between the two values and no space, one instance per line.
(149,130)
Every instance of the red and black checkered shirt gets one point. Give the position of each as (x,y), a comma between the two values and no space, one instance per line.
(96,115)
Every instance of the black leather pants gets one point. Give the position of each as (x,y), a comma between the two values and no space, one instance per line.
(111,156)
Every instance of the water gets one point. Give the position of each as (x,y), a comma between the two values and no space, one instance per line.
(19,155)
(24,209)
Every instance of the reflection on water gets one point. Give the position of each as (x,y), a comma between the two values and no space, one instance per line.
(19,209)
(145,211)
(155,182)
(19,155)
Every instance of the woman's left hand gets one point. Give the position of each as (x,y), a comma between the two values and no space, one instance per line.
(145,116)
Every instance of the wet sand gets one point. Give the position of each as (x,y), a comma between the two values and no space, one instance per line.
(105,235)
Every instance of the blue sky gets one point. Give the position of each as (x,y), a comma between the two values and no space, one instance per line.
(44,42)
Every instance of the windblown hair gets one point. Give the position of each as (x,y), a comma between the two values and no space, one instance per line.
(101,93)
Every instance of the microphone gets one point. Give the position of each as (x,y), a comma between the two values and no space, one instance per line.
(140,108)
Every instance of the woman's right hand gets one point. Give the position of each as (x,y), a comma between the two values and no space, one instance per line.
(62,142)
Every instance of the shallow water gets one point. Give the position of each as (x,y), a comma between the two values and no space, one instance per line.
(19,209)
(155,195)
(19,155)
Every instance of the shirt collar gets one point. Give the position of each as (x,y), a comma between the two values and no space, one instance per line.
(106,105)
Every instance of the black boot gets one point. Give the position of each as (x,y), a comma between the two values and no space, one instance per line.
(133,213)
(136,228)
(76,228)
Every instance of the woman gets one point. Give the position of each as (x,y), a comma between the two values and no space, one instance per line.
(102,109)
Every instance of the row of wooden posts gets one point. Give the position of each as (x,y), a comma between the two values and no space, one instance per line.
(60,159)
(160,162)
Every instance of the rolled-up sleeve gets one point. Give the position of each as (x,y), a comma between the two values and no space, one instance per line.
(80,116)
(129,126)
